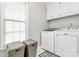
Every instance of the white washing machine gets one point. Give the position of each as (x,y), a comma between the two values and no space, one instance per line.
(66,44)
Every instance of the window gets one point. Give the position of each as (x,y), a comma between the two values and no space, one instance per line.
(15,22)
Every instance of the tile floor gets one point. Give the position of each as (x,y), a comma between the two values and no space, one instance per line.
(39,51)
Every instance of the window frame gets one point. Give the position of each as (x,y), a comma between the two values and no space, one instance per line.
(13,32)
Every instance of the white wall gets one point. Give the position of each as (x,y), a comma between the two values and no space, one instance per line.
(37,20)
(64,22)
(2,26)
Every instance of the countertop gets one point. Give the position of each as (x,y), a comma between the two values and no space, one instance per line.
(51,29)
(61,29)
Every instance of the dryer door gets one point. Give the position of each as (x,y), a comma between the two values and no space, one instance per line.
(66,45)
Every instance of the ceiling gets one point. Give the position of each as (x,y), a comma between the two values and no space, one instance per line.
(47,3)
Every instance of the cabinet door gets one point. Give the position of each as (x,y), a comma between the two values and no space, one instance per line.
(44,40)
(66,45)
(77,34)
(67,8)
(62,9)
(51,42)
(53,10)
(47,41)
(76,11)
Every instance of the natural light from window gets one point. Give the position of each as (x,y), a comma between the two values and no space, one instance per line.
(15,22)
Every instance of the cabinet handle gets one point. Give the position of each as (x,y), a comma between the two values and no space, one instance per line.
(59,2)
(65,33)
(57,34)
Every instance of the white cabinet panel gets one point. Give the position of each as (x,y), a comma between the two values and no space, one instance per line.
(47,40)
(51,42)
(52,10)
(77,34)
(62,9)
(76,7)
(67,8)
(66,45)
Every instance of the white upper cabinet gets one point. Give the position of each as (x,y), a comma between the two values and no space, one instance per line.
(68,8)
(52,10)
(62,9)
(77,7)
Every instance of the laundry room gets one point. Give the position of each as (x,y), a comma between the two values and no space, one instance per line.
(39,29)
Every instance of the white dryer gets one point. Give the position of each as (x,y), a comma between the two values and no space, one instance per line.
(66,44)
